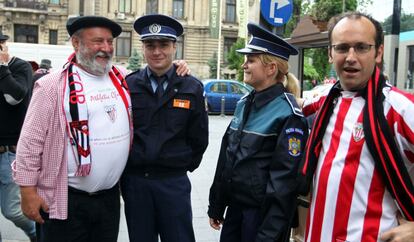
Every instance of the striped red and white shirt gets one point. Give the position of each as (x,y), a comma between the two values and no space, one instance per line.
(349,199)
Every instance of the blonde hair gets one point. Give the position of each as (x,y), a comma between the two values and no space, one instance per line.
(289,80)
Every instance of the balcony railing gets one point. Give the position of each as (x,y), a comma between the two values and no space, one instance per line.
(37,5)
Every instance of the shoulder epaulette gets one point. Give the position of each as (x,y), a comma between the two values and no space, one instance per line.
(293,104)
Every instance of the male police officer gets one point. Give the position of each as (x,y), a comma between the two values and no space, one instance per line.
(170,137)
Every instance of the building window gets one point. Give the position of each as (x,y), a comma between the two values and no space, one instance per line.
(152,6)
(178,8)
(179,54)
(228,43)
(53,37)
(26,33)
(123,44)
(81,7)
(231,11)
(54,1)
(124,6)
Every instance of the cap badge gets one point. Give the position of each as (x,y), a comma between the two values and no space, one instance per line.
(155,28)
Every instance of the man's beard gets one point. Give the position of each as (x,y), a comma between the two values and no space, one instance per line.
(91,64)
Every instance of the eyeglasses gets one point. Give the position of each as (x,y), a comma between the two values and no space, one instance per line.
(359,48)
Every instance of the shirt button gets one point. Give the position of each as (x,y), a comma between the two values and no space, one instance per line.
(146,174)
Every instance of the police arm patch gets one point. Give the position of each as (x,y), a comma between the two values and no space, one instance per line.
(294,146)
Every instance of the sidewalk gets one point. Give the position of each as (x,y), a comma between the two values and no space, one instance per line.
(201,180)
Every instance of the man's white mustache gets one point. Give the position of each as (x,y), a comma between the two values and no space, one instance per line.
(103,54)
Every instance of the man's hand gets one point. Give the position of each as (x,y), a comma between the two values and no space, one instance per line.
(402,233)
(216,224)
(4,53)
(32,203)
(182,68)
(300,101)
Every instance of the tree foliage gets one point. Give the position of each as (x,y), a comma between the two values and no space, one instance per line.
(310,73)
(293,21)
(235,60)
(323,10)
(406,23)
(134,61)
(212,63)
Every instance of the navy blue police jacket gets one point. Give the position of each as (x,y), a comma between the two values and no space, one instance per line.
(259,159)
(170,133)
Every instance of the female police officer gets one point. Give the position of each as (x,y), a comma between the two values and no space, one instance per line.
(256,171)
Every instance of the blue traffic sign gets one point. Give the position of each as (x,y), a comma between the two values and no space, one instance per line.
(276,12)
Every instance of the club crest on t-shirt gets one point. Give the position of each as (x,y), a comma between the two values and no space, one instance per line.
(358,132)
(111,112)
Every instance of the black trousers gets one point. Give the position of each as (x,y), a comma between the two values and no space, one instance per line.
(158,207)
(240,225)
(91,218)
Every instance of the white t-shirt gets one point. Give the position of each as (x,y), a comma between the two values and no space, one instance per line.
(109,135)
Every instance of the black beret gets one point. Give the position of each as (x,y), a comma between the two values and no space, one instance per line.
(76,23)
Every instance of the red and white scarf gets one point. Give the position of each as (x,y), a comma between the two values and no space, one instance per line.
(76,111)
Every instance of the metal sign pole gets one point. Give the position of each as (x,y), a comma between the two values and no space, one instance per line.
(219,42)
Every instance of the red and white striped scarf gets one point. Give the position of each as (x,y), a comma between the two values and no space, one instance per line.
(77,113)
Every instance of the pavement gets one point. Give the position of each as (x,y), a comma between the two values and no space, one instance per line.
(201,180)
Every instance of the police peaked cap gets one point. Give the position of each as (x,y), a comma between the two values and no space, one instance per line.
(264,42)
(158,26)
(77,23)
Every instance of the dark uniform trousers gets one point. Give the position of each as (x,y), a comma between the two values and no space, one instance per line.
(92,217)
(240,224)
(158,206)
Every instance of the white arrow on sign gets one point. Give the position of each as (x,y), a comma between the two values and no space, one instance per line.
(280,4)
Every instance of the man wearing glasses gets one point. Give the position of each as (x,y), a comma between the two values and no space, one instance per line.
(360,154)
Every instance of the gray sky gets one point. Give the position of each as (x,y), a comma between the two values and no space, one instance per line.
(380,9)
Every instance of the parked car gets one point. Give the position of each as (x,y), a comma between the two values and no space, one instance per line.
(229,90)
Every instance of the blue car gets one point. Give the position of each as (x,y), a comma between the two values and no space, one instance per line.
(230,90)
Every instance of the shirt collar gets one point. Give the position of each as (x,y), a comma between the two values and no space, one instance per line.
(169,73)
(263,97)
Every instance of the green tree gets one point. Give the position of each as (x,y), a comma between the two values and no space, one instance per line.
(235,60)
(406,23)
(309,71)
(309,74)
(293,21)
(323,10)
(134,61)
(212,63)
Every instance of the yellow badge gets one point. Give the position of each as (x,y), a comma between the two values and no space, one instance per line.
(180,103)
(294,146)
